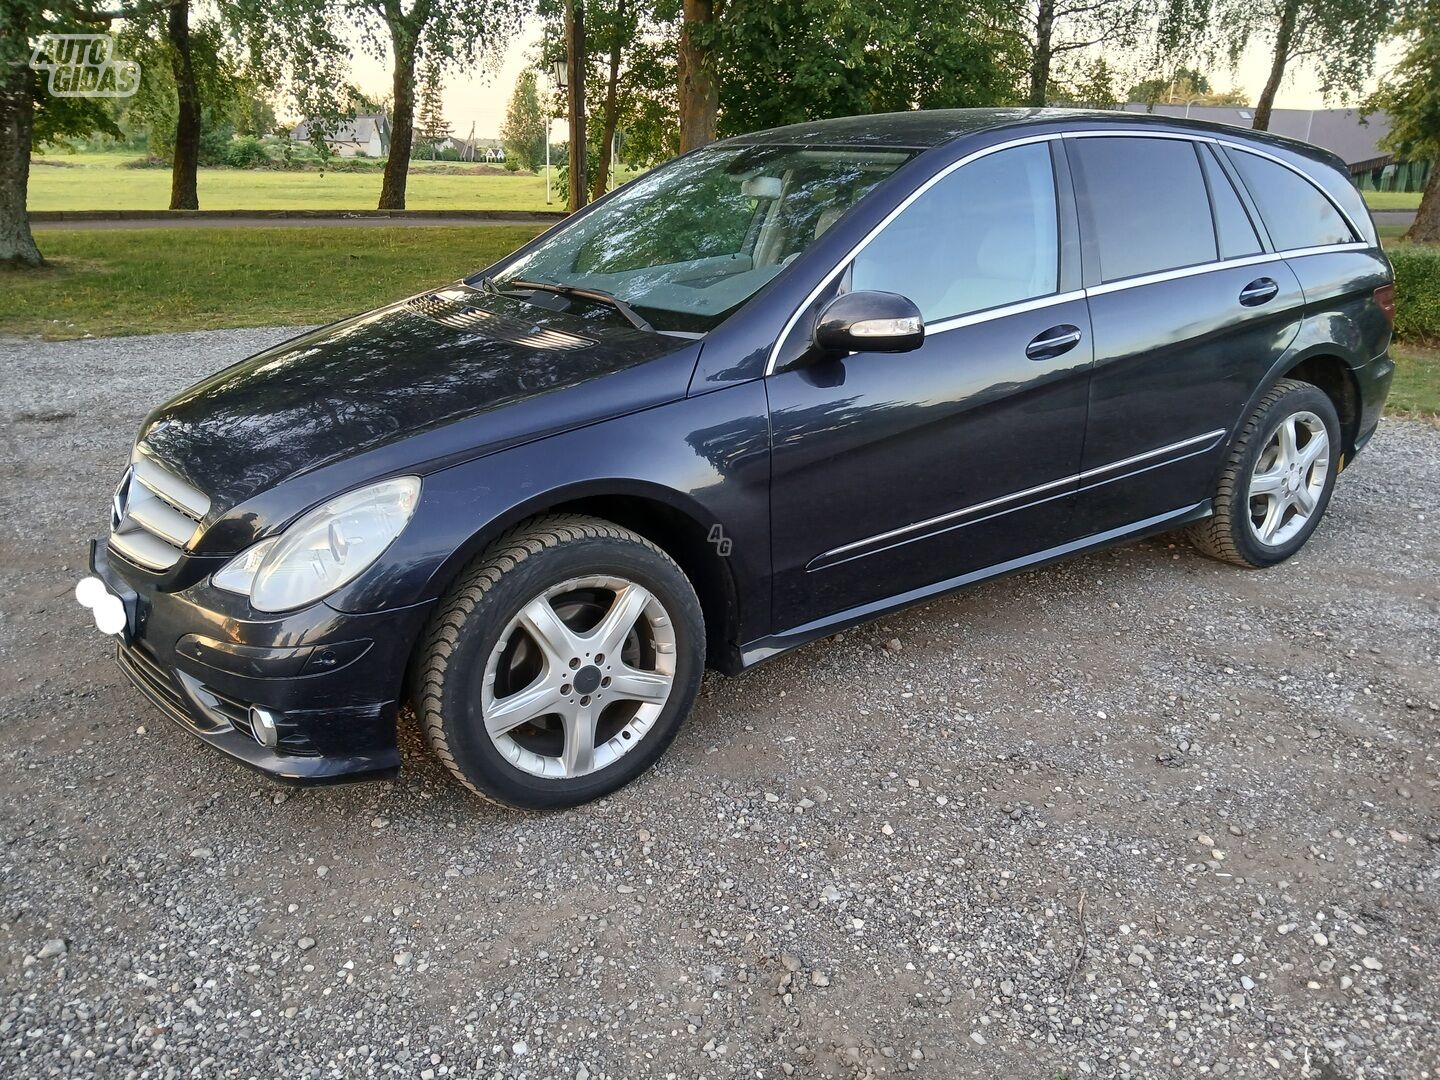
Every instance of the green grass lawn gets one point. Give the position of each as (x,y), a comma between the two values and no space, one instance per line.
(1416,390)
(1392,200)
(144,281)
(100,181)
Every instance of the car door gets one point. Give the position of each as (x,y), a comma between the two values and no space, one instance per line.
(896,474)
(1189,310)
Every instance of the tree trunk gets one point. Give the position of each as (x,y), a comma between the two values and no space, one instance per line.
(183,192)
(1426,227)
(610,118)
(1040,62)
(17,114)
(1284,35)
(575,77)
(699,96)
(402,124)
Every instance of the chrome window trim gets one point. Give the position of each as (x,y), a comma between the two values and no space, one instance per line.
(1017,308)
(865,240)
(1220,140)
(990,504)
(1120,284)
(940,326)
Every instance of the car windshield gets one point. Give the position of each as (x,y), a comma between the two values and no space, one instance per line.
(687,244)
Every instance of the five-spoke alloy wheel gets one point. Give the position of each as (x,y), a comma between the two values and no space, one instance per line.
(1277,480)
(562,664)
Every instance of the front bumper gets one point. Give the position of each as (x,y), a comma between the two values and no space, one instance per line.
(330,680)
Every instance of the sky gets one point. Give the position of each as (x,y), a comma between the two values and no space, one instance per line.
(479,96)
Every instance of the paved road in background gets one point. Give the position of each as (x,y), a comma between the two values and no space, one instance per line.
(1138,814)
(340,220)
(415,218)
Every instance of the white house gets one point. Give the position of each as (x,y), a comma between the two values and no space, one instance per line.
(368,135)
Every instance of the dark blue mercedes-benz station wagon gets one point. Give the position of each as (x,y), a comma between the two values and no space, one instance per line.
(769,390)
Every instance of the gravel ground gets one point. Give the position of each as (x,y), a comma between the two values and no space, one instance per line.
(1139,814)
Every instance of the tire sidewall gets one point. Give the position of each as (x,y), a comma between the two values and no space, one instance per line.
(1299,399)
(474,751)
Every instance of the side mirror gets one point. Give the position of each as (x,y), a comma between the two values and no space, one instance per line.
(869,322)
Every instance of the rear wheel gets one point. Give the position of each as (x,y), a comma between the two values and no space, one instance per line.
(562,664)
(1277,480)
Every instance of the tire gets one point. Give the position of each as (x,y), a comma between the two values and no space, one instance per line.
(485,655)
(1287,494)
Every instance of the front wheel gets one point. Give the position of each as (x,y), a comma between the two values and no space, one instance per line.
(561,665)
(1277,481)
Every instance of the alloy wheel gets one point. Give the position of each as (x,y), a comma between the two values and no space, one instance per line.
(579,676)
(1289,478)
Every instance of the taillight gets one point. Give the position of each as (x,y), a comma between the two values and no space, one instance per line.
(1385,297)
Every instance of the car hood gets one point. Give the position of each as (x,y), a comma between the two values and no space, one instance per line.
(354,388)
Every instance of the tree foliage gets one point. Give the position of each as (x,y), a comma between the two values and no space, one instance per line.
(1186,86)
(523,132)
(1335,39)
(1410,95)
(793,60)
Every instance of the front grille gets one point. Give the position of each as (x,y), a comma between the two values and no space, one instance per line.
(155,515)
(448,310)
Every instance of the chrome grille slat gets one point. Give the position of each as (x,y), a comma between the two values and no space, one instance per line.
(450,311)
(156,514)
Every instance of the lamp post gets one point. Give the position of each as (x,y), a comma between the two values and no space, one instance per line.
(557,72)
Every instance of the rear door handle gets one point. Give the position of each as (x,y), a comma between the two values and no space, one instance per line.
(1259,291)
(1054,342)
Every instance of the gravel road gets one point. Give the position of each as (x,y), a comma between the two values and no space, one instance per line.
(1139,814)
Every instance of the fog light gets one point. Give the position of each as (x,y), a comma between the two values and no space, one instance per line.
(262,726)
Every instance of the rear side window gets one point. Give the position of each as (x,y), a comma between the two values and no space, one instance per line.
(984,236)
(1296,214)
(1148,208)
(1233,228)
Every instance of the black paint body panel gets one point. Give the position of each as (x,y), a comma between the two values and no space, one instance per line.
(842,488)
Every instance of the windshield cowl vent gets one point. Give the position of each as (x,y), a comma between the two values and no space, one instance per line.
(461,316)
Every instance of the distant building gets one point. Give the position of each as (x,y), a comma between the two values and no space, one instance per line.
(368,135)
(474,149)
(1344,132)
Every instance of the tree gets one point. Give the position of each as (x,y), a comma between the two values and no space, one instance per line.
(1186,86)
(523,132)
(432,125)
(1093,86)
(1337,39)
(699,94)
(630,52)
(23,24)
(794,60)
(1052,30)
(445,32)
(1410,95)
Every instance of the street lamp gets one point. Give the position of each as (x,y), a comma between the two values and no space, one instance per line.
(558,73)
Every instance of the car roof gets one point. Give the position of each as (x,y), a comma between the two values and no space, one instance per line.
(927,128)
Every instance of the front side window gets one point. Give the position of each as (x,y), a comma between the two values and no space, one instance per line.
(1147,205)
(689,243)
(982,237)
(1296,214)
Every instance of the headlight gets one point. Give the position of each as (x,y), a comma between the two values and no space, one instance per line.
(324,549)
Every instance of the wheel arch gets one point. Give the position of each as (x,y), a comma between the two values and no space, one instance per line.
(680,528)
(1333,375)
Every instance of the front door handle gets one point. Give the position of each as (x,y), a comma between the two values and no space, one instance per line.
(1054,342)
(1260,291)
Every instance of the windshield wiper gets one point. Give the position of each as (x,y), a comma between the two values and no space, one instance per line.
(633,317)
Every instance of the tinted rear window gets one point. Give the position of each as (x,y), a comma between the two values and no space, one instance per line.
(1147,204)
(1232,224)
(1296,214)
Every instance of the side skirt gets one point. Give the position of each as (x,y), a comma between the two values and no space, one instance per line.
(768,648)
